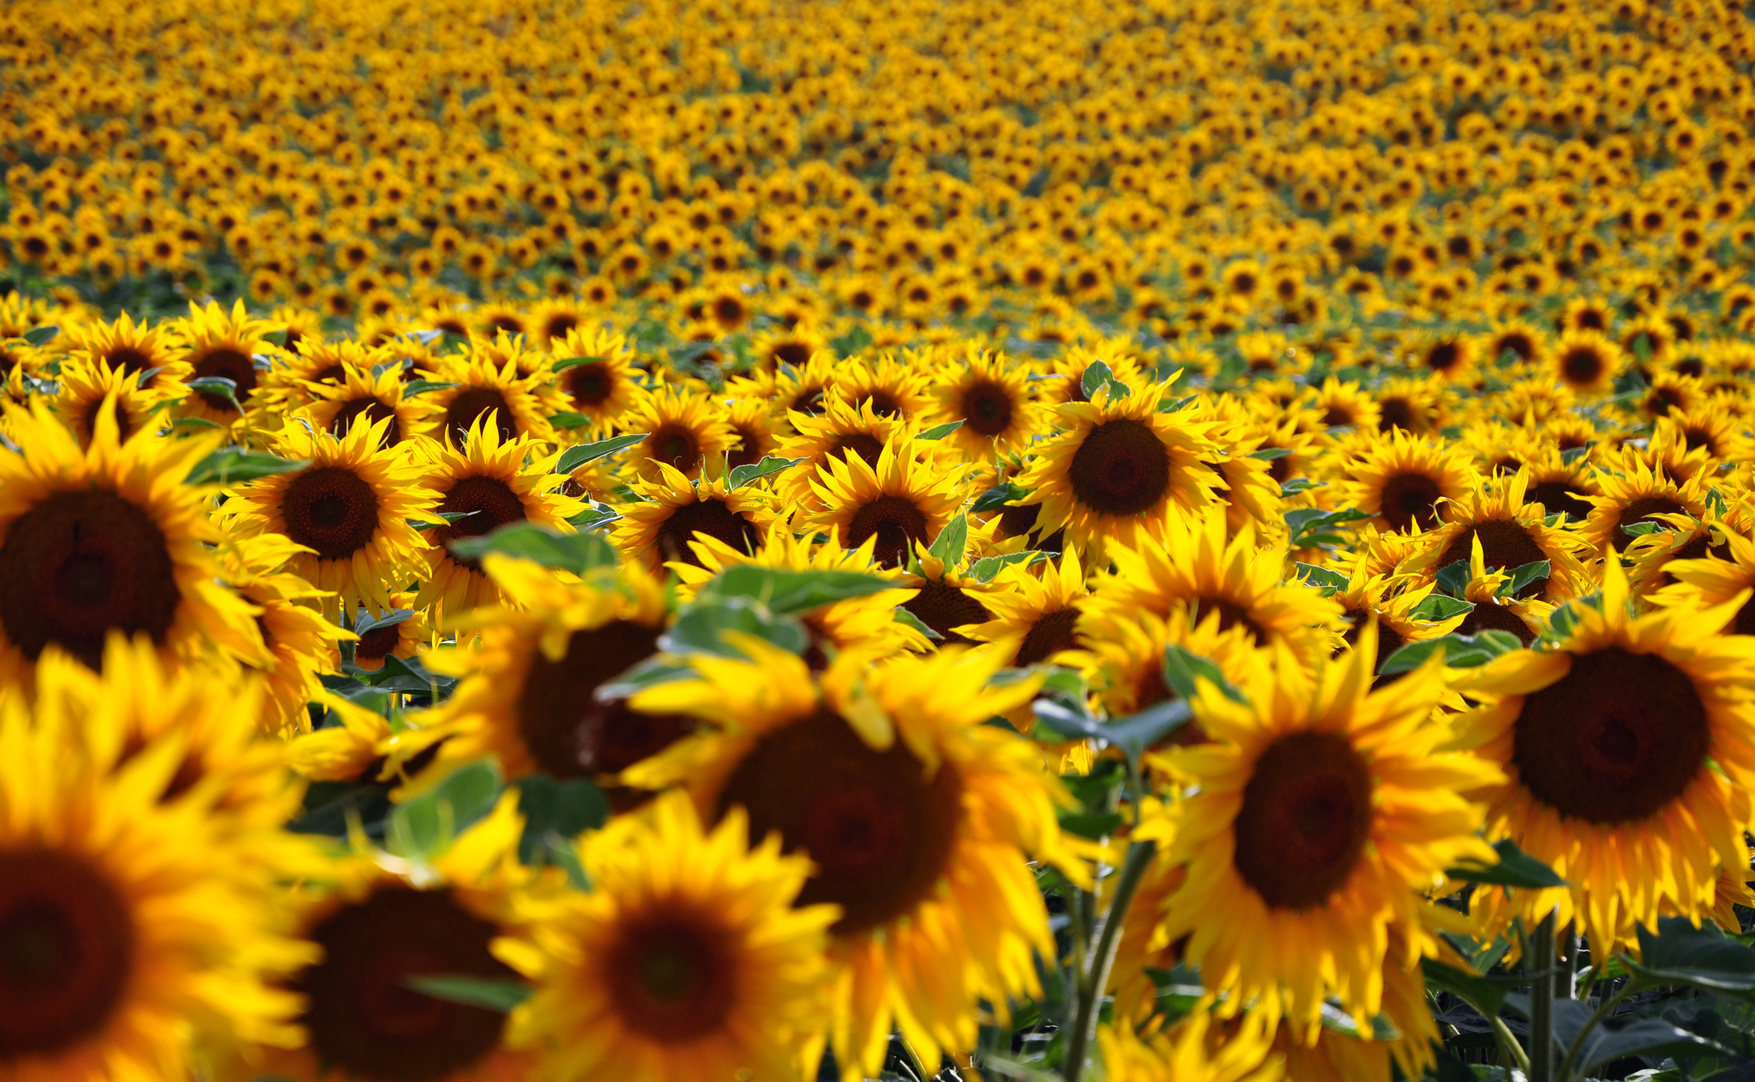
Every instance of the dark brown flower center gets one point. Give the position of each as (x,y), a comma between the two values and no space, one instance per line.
(1558,496)
(1504,545)
(713,517)
(567,730)
(896,523)
(1582,365)
(941,606)
(1120,468)
(1305,818)
(67,942)
(1615,740)
(128,359)
(331,510)
(1231,615)
(470,405)
(1395,413)
(1411,497)
(1488,616)
(487,504)
(1641,509)
(878,828)
(671,974)
(863,444)
(226,364)
(377,644)
(362,1015)
(987,408)
(589,384)
(674,445)
(373,411)
(79,565)
(1049,635)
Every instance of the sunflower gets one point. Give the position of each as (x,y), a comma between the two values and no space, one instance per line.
(528,684)
(1188,1054)
(133,928)
(1037,616)
(991,397)
(1120,467)
(675,511)
(947,596)
(601,389)
(915,813)
(1319,815)
(841,430)
(895,504)
(520,404)
(295,378)
(1623,748)
(1512,533)
(377,931)
(1393,601)
(301,644)
(136,350)
(369,394)
(1414,406)
(107,538)
(687,960)
(892,388)
(220,345)
(1494,608)
(88,386)
(402,638)
(1632,494)
(1345,405)
(349,508)
(1586,361)
(754,429)
(1707,582)
(1401,480)
(1230,580)
(684,429)
(1124,662)
(492,483)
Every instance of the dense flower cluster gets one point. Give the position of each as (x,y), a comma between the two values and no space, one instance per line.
(699,541)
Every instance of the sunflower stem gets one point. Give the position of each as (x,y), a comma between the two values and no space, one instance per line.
(1508,1042)
(1604,1010)
(1541,955)
(1095,978)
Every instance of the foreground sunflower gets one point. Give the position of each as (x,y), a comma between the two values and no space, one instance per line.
(684,429)
(686,961)
(87,387)
(131,935)
(1121,468)
(106,539)
(1191,1052)
(349,507)
(1317,817)
(1623,749)
(894,504)
(1403,480)
(1511,532)
(492,483)
(674,512)
(915,812)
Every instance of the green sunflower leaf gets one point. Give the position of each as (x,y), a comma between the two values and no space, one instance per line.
(41,336)
(791,593)
(218,387)
(1704,957)
(701,628)
(422,386)
(1438,608)
(575,552)
(484,992)
(951,541)
(231,465)
(1460,651)
(755,471)
(1324,579)
(1097,376)
(939,432)
(984,569)
(574,457)
(1183,671)
(903,616)
(1524,575)
(1453,578)
(1514,869)
(1484,992)
(424,827)
(997,497)
(1271,453)
(555,810)
(574,362)
(566,419)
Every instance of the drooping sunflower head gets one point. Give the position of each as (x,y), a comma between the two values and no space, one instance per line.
(1402,480)
(685,429)
(349,507)
(107,539)
(990,397)
(490,483)
(1622,748)
(1120,468)
(595,370)
(220,345)
(891,506)
(675,513)
(909,807)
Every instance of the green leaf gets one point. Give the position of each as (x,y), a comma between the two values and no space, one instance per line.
(1460,651)
(554,810)
(1641,529)
(852,342)
(1524,575)
(1271,453)
(484,992)
(365,621)
(1132,734)
(195,422)
(1092,824)
(232,465)
(1453,578)
(448,518)
(567,419)
(425,826)
(1515,869)
(1679,953)
(1183,669)
(791,593)
(997,497)
(1313,526)
(575,552)
(141,381)
(41,336)
(701,628)
(1436,608)
(646,674)
(218,387)
(1300,484)
(951,540)
(984,569)
(1649,1037)
(755,471)
(574,362)
(939,432)
(1573,454)
(1097,376)
(594,518)
(1322,578)
(574,457)
(903,616)
(1485,992)
(422,386)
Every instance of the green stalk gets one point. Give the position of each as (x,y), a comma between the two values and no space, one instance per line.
(1095,978)
(1542,1001)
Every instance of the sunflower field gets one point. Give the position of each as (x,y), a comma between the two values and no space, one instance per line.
(905,540)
